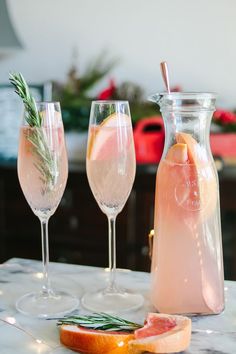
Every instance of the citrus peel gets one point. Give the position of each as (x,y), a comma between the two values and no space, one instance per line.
(94,341)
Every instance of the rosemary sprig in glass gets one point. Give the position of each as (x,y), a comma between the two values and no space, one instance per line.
(45,162)
(100,321)
(33,117)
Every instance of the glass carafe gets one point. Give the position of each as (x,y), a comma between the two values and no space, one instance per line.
(187,264)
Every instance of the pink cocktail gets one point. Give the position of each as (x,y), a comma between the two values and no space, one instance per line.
(111,168)
(43,170)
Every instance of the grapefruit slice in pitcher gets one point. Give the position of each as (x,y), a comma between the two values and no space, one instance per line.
(194,150)
(202,174)
(190,177)
(178,153)
(103,136)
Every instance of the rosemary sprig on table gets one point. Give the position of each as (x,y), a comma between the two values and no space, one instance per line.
(45,163)
(100,321)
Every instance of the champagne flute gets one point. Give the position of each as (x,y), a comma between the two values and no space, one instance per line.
(111,167)
(43,170)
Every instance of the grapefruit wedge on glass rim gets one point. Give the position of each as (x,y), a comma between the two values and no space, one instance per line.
(160,334)
(102,137)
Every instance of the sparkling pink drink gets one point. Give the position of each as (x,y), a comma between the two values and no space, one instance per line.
(111,166)
(187,278)
(42,193)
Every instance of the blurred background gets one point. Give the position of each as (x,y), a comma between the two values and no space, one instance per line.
(74,51)
(196,38)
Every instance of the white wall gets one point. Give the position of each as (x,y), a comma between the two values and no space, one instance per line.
(196,37)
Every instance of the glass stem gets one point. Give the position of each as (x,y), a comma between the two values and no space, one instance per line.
(112,252)
(46,289)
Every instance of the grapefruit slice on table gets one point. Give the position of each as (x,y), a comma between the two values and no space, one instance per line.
(102,137)
(160,334)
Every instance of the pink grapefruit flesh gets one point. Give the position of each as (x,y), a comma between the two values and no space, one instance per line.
(102,137)
(164,334)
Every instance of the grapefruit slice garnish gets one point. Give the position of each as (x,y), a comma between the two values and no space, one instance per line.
(160,334)
(102,137)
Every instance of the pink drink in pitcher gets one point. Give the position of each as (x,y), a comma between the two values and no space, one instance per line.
(187,265)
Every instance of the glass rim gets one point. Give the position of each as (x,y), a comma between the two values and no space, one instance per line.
(47,102)
(189,95)
(109,101)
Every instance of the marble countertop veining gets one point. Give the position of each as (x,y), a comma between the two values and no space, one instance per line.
(24,335)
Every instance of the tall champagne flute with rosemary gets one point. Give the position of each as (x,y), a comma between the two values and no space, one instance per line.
(111,170)
(42,170)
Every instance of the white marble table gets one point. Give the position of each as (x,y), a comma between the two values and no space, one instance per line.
(23,335)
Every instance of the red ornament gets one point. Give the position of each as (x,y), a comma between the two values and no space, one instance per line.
(108,92)
(225,117)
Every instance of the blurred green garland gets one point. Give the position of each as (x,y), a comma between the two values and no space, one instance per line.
(76,101)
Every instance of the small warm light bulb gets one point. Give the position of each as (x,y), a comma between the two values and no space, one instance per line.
(39,275)
(11,320)
(120,344)
(209,331)
(38,341)
(1,292)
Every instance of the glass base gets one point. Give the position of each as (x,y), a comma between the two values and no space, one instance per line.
(112,302)
(54,304)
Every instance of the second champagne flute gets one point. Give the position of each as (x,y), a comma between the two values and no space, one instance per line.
(111,168)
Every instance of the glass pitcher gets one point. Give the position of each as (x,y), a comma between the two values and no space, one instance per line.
(187,263)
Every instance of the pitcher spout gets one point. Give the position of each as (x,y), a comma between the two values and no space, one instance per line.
(156,98)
